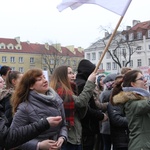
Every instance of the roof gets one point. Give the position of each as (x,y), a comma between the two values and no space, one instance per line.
(36,48)
(142,25)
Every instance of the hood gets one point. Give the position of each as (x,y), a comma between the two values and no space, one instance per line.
(110,77)
(123,97)
(85,68)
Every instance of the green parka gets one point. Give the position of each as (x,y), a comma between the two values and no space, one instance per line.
(137,110)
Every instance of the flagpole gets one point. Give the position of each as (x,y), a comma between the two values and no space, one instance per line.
(108,44)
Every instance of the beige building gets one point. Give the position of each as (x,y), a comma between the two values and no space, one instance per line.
(22,56)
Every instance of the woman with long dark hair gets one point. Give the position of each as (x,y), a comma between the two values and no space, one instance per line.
(75,106)
(132,94)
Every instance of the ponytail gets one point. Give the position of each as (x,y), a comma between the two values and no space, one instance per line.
(117,89)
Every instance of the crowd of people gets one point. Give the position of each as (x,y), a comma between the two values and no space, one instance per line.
(83,111)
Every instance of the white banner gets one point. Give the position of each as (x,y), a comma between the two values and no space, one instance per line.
(117,6)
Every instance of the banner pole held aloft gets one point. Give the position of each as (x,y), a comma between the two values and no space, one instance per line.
(108,44)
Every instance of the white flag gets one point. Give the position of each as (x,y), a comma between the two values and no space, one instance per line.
(117,6)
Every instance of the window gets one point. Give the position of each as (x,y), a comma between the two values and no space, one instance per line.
(124,37)
(52,61)
(12,59)
(139,35)
(139,62)
(93,56)
(108,66)
(108,55)
(100,54)
(123,63)
(114,52)
(69,62)
(148,33)
(44,68)
(31,60)
(44,60)
(57,61)
(2,46)
(20,59)
(131,50)
(74,62)
(101,66)
(4,59)
(88,56)
(131,36)
(21,69)
(10,47)
(13,68)
(131,63)
(149,61)
(124,52)
(139,48)
(18,48)
(62,61)
(114,66)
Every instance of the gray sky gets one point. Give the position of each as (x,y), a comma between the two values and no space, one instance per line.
(40,21)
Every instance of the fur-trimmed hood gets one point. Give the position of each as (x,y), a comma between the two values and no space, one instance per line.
(123,97)
(130,93)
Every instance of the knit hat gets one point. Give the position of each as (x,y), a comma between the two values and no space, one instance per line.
(110,77)
(109,80)
(98,79)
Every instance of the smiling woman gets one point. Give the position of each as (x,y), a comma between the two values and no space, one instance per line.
(34,100)
(133,95)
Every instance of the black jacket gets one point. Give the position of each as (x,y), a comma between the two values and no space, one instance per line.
(7,108)
(118,126)
(90,123)
(12,138)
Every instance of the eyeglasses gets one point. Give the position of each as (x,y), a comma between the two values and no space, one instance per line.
(141,78)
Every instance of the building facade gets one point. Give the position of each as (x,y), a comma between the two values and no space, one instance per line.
(22,56)
(129,48)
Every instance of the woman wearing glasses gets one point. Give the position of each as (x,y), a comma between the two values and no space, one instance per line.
(132,93)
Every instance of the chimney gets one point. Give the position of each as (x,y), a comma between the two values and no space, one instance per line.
(57,46)
(47,46)
(80,49)
(71,48)
(128,27)
(17,39)
(106,34)
(134,22)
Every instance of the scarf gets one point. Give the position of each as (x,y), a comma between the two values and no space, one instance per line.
(5,92)
(140,91)
(68,102)
(109,85)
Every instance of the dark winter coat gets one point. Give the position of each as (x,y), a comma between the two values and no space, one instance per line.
(10,138)
(136,102)
(7,108)
(40,106)
(105,126)
(118,126)
(90,123)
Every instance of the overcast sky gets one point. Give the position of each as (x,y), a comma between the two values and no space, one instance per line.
(40,21)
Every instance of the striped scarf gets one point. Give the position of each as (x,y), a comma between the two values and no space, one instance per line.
(68,104)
